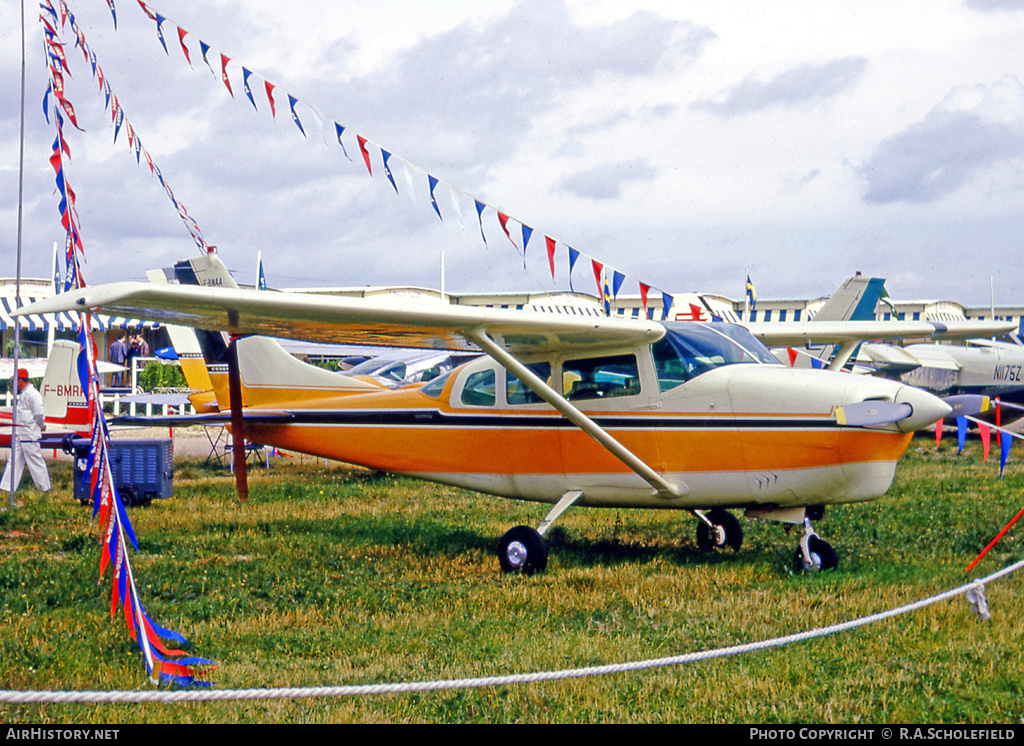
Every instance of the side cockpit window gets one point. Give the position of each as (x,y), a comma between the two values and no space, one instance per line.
(687,350)
(517,392)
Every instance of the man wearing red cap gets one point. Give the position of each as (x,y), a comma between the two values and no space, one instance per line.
(31,420)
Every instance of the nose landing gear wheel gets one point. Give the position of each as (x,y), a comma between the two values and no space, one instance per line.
(820,556)
(523,550)
(727,531)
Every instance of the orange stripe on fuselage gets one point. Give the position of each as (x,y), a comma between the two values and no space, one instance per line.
(474,440)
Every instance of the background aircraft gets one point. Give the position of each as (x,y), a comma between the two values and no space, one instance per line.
(565,410)
(988,367)
(64,403)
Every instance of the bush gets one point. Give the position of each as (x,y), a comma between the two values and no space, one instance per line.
(160,376)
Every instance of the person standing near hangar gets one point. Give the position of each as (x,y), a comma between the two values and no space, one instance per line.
(25,448)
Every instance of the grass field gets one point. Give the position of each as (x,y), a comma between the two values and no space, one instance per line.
(330,576)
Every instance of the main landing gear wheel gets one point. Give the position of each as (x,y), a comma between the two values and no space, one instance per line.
(523,550)
(820,556)
(727,531)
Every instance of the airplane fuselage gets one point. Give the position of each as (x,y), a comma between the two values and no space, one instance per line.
(740,435)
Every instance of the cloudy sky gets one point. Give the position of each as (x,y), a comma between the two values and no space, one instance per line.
(680,143)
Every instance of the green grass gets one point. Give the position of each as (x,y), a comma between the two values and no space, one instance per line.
(330,576)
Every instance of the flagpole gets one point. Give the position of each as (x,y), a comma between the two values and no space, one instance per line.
(17,279)
(746,296)
(52,328)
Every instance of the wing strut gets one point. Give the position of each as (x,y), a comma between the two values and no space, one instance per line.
(844,354)
(237,433)
(665,489)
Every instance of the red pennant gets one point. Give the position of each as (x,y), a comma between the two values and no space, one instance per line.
(999,433)
(986,438)
(366,155)
(503,219)
(598,269)
(147,11)
(938,432)
(224,73)
(181,41)
(269,87)
(792,357)
(550,243)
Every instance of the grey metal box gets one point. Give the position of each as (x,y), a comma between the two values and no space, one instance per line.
(143,469)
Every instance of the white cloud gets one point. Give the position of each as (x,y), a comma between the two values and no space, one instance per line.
(968,133)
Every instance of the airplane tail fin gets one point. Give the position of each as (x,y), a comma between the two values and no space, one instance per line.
(855,300)
(269,374)
(64,402)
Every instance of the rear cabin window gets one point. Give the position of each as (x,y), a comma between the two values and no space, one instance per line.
(479,389)
(600,377)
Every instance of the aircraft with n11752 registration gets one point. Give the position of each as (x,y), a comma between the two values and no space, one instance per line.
(569,410)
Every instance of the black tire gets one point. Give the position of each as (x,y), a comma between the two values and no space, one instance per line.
(523,550)
(822,554)
(708,540)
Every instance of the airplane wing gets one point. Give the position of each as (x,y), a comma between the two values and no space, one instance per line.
(36,367)
(350,320)
(888,357)
(799,333)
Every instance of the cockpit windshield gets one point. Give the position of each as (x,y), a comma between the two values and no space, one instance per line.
(689,349)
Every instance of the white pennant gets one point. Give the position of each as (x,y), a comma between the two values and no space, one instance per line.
(409,168)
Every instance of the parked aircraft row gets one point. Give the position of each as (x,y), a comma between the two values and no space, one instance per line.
(566,410)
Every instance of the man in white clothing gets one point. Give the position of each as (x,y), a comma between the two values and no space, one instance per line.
(31,421)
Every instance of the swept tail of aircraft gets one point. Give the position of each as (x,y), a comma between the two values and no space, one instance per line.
(855,300)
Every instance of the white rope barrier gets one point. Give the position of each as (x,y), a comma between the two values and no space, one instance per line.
(974,592)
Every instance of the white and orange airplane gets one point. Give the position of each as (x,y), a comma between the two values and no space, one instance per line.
(563,409)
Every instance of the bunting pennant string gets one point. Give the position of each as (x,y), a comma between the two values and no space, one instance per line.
(119,118)
(387,169)
(1007,438)
(433,181)
(480,217)
(269,87)
(573,256)
(184,49)
(248,91)
(108,507)
(456,196)
(224,75)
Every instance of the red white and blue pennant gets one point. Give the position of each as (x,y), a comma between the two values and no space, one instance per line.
(165,664)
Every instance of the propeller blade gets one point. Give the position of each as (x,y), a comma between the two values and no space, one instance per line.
(872,413)
(968,405)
